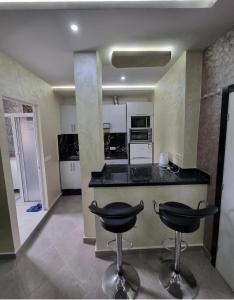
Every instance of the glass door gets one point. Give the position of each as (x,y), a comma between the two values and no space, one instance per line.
(28,156)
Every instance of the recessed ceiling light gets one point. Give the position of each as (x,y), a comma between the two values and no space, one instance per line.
(123,78)
(74,27)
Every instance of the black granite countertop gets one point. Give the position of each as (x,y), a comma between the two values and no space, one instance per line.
(145,175)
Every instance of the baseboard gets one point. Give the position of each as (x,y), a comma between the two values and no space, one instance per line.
(89,240)
(70,192)
(55,200)
(7,255)
(38,227)
(142,250)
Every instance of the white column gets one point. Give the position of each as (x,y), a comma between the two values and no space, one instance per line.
(88,83)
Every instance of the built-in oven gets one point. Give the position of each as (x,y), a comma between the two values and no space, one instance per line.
(140,122)
(140,135)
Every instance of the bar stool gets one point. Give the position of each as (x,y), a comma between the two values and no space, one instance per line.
(120,280)
(176,278)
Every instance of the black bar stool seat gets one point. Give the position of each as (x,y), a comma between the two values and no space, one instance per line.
(180,224)
(176,278)
(120,280)
(118,225)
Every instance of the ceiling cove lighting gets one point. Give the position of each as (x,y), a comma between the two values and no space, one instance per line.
(109,87)
(128,87)
(74,27)
(149,3)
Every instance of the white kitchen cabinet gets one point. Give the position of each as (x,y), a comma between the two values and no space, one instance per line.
(68,119)
(141,153)
(70,174)
(115,115)
(116,161)
(140,109)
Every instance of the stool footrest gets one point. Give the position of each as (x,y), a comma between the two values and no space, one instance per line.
(108,244)
(184,245)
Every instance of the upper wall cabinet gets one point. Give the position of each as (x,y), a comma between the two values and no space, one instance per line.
(140,108)
(114,117)
(68,119)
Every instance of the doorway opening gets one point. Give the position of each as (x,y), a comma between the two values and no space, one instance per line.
(21,129)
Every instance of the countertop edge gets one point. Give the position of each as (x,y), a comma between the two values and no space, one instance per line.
(94,185)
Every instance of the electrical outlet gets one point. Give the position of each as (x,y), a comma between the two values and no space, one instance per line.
(178,157)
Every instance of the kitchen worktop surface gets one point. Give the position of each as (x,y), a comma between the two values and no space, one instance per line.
(143,175)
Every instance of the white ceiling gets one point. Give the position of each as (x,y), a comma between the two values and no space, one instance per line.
(41,40)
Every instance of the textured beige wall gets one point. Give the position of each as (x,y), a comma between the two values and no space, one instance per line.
(176,110)
(18,83)
(192,107)
(169,112)
(88,81)
(109,99)
(6,242)
(218,72)
(149,231)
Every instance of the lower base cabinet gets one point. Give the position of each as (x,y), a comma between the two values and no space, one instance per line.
(70,175)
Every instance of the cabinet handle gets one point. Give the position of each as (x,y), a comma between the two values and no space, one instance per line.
(74,167)
(71,167)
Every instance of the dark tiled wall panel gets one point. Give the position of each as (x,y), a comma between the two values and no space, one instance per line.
(218,72)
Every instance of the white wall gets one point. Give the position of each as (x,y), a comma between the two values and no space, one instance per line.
(148,97)
(16,82)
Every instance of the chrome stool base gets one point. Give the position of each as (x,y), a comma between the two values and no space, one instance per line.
(180,285)
(123,286)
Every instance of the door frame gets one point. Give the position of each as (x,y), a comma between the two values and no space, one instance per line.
(39,146)
(220,168)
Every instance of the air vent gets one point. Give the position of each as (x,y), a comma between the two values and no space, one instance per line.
(140,59)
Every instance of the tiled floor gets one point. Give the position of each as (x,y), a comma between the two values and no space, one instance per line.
(27,220)
(56,264)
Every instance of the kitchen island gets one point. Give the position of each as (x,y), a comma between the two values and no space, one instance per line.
(132,183)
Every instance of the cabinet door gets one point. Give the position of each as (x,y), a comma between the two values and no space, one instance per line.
(66,174)
(70,174)
(118,122)
(68,119)
(140,108)
(116,116)
(77,177)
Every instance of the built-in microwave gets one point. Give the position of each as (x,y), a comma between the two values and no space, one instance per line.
(140,122)
(140,135)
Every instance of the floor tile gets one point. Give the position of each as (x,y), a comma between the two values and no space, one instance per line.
(57,264)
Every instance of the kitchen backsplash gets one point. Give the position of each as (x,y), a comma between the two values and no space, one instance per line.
(68,146)
(115,145)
